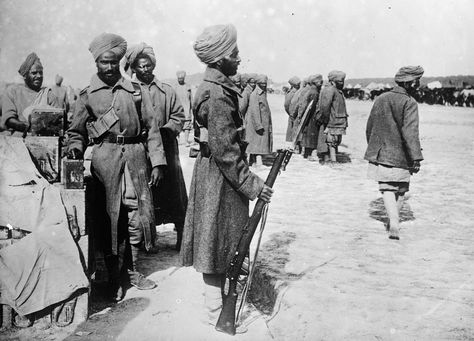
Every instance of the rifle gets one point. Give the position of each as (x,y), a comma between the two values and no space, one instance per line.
(226,321)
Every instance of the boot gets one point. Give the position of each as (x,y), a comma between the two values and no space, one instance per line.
(138,280)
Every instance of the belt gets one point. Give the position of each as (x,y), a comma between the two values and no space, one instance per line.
(118,139)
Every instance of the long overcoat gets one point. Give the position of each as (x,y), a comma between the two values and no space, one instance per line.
(309,131)
(289,128)
(109,159)
(164,109)
(222,183)
(259,117)
(392,130)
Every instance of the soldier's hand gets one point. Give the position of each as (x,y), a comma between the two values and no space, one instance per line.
(266,193)
(415,167)
(74,154)
(157,175)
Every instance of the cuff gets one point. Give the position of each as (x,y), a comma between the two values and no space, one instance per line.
(252,186)
(158,158)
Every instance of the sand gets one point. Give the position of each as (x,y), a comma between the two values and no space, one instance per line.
(327,270)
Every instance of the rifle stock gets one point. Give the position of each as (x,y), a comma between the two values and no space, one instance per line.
(226,321)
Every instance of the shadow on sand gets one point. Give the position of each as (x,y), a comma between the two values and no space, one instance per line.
(115,318)
(377,211)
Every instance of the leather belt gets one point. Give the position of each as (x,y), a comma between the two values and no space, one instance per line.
(118,139)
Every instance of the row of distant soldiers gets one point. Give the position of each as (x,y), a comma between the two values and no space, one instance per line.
(327,115)
(255,111)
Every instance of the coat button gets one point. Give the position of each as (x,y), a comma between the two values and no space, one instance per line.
(123,149)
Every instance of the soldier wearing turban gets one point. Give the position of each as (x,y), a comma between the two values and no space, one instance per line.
(109,115)
(222,183)
(166,111)
(294,86)
(17,100)
(183,90)
(61,93)
(393,150)
(332,117)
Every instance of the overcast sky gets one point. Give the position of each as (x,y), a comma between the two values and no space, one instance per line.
(364,38)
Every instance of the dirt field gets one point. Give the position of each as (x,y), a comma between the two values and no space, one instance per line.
(328,270)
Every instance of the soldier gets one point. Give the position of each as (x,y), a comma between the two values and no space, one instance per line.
(61,93)
(293,110)
(18,99)
(294,86)
(183,90)
(258,129)
(222,183)
(108,113)
(394,151)
(309,139)
(332,118)
(246,92)
(170,197)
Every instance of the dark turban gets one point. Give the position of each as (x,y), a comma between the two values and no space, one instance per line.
(134,51)
(252,76)
(108,42)
(28,63)
(409,73)
(294,81)
(181,73)
(336,76)
(261,79)
(215,43)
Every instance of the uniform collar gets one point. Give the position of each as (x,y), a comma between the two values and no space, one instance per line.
(215,76)
(260,91)
(155,81)
(97,84)
(400,90)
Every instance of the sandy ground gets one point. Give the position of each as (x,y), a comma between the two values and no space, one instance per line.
(327,269)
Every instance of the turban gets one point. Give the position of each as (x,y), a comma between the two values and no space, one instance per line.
(215,43)
(28,63)
(294,81)
(315,78)
(181,73)
(409,73)
(135,50)
(261,79)
(252,76)
(336,76)
(108,42)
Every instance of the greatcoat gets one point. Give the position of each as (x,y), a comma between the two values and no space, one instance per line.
(109,159)
(259,117)
(222,183)
(164,110)
(392,130)
(289,128)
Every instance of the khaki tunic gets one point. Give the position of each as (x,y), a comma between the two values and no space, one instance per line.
(222,183)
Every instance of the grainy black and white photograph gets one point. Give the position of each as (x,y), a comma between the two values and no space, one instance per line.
(236,170)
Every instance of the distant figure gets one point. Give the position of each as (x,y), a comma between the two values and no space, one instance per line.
(332,117)
(246,92)
(293,111)
(294,86)
(394,151)
(183,90)
(309,137)
(19,99)
(61,93)
(258,130)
